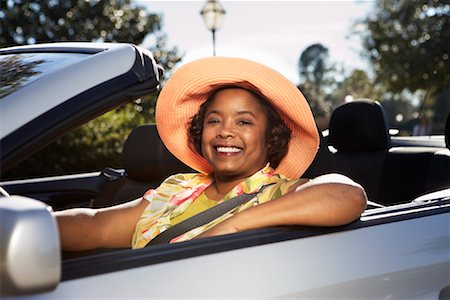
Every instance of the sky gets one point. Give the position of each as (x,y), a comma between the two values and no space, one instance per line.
(271,32)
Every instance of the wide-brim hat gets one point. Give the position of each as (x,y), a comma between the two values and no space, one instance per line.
(194,82)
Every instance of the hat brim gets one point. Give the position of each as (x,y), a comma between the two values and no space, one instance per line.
(193,83)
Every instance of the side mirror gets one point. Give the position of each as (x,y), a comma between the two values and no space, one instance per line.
(29,247)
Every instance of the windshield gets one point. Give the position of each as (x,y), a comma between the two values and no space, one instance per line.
(21,69)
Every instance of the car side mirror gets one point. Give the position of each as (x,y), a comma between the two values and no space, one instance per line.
(29,247)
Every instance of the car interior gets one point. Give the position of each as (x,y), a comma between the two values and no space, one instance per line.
(362,150)
(358,146)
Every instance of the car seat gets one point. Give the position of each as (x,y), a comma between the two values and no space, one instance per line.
(410,172)
(146,162)
(358,135)
(390,175)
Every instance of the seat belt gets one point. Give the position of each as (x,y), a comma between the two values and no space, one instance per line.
(203,218)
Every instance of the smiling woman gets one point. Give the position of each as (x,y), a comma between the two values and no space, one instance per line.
(235,109)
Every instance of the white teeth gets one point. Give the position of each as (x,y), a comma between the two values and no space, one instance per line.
(228,149)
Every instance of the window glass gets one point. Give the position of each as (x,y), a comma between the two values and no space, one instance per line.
(21,69)
(91,147)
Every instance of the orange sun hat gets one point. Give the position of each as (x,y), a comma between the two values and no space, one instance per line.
(194,82)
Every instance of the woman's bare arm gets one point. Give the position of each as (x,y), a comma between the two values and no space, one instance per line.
(111,227)
(328,200)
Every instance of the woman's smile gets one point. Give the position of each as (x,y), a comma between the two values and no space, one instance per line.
(228,151)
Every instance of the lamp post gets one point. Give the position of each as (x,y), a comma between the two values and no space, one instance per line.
(212,14)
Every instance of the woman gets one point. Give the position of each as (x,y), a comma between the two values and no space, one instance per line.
(243,126)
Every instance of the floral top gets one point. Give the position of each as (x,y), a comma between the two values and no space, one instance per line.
(177,192)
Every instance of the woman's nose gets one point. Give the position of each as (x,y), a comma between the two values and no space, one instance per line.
(227,131)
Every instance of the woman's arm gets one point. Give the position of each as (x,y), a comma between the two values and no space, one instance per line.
(328,200)
(111,227)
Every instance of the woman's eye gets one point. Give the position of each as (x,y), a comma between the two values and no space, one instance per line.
(212,121)
(244,122)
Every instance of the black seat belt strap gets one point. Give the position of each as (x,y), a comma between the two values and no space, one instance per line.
(202,218)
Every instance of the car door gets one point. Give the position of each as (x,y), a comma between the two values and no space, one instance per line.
(399,252)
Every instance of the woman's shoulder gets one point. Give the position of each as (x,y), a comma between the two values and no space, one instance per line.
(281,187)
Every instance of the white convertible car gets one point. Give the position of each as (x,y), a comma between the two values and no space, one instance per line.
(399,249)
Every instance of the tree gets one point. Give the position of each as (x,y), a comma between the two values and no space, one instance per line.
(407,42)
(357,85)
(34,21)
(313,65)
(314,69)
(29,22)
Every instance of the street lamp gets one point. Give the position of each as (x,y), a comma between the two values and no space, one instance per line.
(212,14)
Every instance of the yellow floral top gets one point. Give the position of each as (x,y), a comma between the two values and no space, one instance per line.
(177,192)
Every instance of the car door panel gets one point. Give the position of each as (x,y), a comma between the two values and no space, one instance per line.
(368,262)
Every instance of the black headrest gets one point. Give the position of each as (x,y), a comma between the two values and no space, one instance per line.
(145,158)
(359,126)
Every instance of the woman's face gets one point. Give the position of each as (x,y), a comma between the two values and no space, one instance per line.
(233,138)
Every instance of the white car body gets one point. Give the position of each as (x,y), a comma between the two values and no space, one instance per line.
(346,265)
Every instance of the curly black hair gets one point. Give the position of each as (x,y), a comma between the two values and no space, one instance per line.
(277,135)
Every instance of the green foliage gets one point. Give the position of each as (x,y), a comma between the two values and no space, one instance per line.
(356,85)
(98,143)
(359,85)
(32,21)
(167,58)
(407,42)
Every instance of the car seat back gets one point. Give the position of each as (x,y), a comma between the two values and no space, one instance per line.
(145,157)
(146,162)
(439,171)
(410,172)
(358,132)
